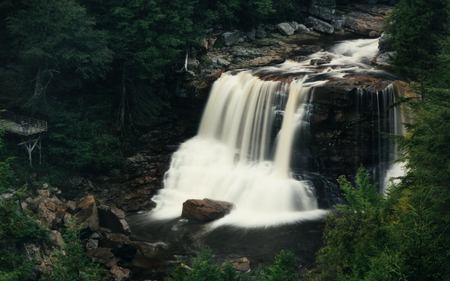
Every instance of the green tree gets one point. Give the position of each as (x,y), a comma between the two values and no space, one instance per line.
(353,233)
(55,40)
(418,28)
(147,38)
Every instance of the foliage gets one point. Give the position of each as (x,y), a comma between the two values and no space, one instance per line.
(16,228)
(281,269)
(71,263)
(393,238)
(14,267)
(203,268)
(56,39)
(82,142)
(418,28)
(354,233)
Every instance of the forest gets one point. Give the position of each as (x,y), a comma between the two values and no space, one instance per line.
(102,72)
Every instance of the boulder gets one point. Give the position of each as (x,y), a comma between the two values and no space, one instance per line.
(302,28)
(56,237)
(120,244)
(295,25)
(241,265)
(285,28)
(384,59)
(156,253)
(102,255)
(320,61)
(71,206)
(114,219)
(385,43)
(206,210)
(230,38)
(120,273)
(44,193)
(320,25)
(251,34)
(87,215)
(47,216)
(337,22)
(260,34)
(322,12)
(364,23)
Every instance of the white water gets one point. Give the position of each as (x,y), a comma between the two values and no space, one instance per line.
(234,157)
(396,170)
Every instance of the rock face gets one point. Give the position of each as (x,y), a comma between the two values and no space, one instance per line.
(87,215)
(365,19)
(206,210)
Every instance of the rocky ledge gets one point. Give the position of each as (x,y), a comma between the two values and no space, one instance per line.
(270,44)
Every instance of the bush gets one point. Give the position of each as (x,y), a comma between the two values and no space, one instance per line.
(204,268)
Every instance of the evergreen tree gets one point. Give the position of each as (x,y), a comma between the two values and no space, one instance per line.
(418,28)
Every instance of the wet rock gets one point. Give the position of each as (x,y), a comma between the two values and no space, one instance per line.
(120,245)
(385,43)
(206,210)
(320,61)
(114,219)
(156,253)
(384,59)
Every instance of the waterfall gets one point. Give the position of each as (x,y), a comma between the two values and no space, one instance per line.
(233,158)
(399,117)
(242,152)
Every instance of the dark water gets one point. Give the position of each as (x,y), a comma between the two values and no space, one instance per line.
(259,245)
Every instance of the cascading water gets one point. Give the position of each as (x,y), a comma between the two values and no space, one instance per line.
(241,156)
(254,148)
(231,157)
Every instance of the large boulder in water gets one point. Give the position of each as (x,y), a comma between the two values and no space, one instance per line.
(206,210)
